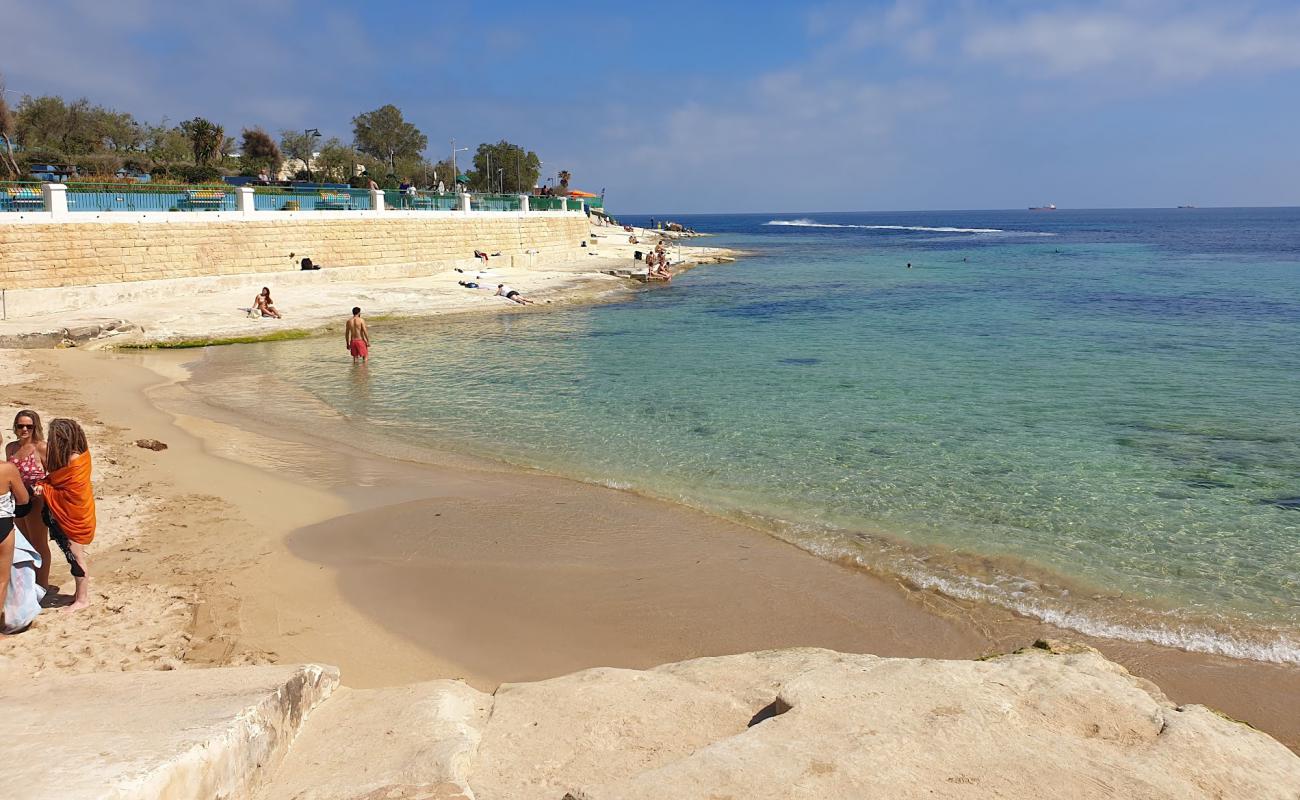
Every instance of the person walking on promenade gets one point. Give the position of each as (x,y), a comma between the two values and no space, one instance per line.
(28,455)
(70,501)
(357,336)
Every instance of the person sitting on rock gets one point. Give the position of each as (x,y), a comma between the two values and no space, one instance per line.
(264,305)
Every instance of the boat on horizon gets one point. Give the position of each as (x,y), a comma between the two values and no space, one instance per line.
(1187,206)
(1048,207)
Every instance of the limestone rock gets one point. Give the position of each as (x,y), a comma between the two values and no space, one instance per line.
(1073,725)
(595,726)
(403,743)
(154,735)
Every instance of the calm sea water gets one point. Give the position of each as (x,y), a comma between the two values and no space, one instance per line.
(1089,417)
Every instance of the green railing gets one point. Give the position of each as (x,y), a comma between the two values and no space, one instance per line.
(541,203)
(17,196)
(89,197)
(297,198)
(420,201)
(21,196)
(494,202)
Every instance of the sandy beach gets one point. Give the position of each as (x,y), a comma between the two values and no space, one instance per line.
(240,544)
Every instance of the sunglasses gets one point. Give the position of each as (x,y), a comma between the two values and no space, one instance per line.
(21,427)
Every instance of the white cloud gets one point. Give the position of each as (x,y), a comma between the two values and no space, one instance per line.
(839,133)
(1142,42)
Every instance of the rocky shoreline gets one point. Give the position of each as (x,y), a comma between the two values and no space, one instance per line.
(1050,719)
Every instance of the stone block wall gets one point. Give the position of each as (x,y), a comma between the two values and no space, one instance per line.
(59,254)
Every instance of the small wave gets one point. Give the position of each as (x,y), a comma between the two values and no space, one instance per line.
(808,223)
(1027,597)
(1279,650)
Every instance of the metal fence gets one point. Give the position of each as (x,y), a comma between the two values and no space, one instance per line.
(541,203)
(278,198)
(494,202)
(21,196)
(149,197)
(17,196)
(420,201)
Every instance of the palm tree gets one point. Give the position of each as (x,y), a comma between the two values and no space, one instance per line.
(564,181)
(206,139)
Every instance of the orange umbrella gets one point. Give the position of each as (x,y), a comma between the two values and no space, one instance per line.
(580,193)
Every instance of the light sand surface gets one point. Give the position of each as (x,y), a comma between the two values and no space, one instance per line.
(240,544)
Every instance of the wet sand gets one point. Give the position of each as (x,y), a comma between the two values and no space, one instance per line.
(398,570)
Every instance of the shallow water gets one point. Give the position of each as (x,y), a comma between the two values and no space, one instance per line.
(1086,416)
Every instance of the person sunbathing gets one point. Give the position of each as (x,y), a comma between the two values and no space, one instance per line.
(512,294)
(482,255)
(264,305)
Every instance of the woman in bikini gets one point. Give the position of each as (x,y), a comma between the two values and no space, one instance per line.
(13,503)
(28,455)
(265,304)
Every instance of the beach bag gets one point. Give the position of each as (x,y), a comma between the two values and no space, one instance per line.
(23,600)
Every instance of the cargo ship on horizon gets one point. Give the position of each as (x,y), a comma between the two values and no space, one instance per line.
(1048,207)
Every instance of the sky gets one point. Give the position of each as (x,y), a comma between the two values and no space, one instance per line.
(680,107)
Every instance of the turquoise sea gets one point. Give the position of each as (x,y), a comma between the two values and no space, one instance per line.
(1087,416)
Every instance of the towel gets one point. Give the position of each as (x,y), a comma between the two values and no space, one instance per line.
(23,600)
(71,499)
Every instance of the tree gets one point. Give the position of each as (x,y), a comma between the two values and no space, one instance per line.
(336,162)
(564,181)
(505,167)
(76,128)
(298,146)
(259,152)
(165,144)
(117,130)
(8,127)
(383,133)
(207,139)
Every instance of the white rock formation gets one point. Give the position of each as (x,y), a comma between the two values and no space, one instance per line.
(1048,721)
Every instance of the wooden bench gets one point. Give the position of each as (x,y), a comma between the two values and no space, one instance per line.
(23,198)
(334,201)
(204,200)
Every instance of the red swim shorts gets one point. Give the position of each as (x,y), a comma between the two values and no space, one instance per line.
(358,349)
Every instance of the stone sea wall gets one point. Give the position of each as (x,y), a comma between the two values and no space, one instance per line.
(123,248)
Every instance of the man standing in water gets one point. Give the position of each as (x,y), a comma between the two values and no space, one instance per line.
(357,336)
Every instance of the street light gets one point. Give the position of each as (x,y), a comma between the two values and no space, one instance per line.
(455,173)
(310,133)
(501,181)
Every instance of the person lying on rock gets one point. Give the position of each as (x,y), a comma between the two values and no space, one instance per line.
(512,294)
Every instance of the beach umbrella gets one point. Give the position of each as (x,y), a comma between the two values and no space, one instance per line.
(580,193)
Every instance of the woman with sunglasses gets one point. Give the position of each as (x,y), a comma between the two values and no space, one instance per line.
(28,455)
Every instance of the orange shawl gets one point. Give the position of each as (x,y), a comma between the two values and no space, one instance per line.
(71,499)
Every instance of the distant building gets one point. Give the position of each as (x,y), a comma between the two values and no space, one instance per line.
(53,173)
